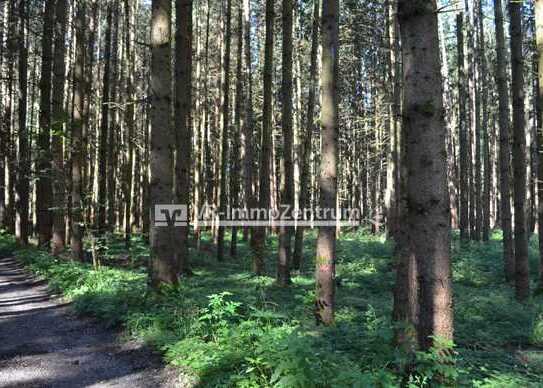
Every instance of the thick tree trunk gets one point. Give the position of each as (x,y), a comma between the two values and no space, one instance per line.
(326,241)
(287,179)
(77,132)
(43,184)
(522,270)
(505,144)
(164,266)
(428,212)
(58,121)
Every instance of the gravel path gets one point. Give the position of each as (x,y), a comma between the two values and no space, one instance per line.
(42,343)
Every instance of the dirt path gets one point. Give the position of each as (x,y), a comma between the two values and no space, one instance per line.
(42,343)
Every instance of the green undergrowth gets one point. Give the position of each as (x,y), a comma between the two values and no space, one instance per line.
(227,328)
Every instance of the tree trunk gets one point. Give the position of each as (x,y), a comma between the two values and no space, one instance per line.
(287,179)
(225,130)
(183,98)
(522,275)
(539,112)
(43,184)
(77,132)
(305,193)
(463,132)
(164,267)
(59,118)
(428,215)
(259,235)
(326,240)
(23,152)
(505,145)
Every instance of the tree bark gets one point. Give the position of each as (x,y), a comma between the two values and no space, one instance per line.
(505,144)
(58,121)
(326,240)
(522,275)
(43,184)
(259,235)
(428,211)
(287,179)
(183,103)
(77,134)
(539,112)
(164,266)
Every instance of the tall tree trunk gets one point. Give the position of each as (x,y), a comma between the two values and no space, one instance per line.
(305,193)
(164,267)
(428,215)
(236,141)
(463,131)
(539,112)
(248,124)
(522,275)
(23,153)
(326,241)
(505,144)
(259,235)
(43,184)
(129,59)
(225,129)
(104,125)
(183,98)
(59,119)
(287,178)
(77,132)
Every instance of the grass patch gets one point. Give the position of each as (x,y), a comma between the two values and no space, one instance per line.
(230,328)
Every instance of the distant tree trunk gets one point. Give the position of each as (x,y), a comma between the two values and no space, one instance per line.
(164,268)
(236,141)
(104,125)
(23,152)
(505,146)
(129,59)
(522,270)
(298,255)
(77,132)
(248,124)
(463,132)
(43,184)
(183,98)
(259,235)
(428,215)
(287,178)
(225,130)
(539,112)
(4,128)
(483,82)
(59,119)
(326,240)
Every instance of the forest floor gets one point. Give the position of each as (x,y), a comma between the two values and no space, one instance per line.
(43,344)
(225,327)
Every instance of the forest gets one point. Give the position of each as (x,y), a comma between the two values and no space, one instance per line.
(274,193)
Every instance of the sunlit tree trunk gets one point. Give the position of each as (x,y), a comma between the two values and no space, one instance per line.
(326,241)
